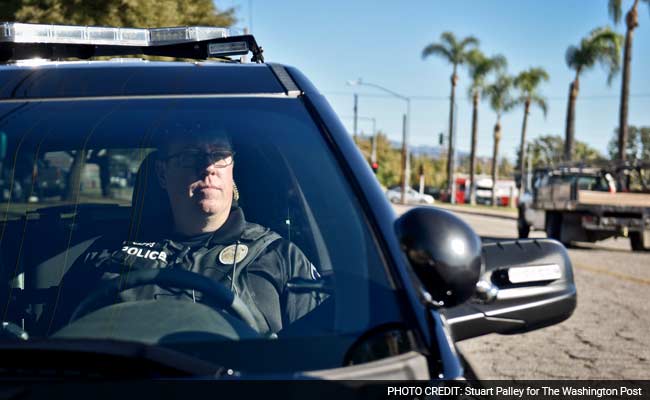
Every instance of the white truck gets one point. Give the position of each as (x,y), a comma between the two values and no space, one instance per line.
(585,204)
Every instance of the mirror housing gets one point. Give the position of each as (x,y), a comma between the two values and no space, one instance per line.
(526,285)
(443,250)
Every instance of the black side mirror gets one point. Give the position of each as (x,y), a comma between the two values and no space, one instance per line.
(444,252)
(526,285)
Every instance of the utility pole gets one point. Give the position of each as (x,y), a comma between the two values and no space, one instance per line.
(406,122)
(495,162)
(452,159)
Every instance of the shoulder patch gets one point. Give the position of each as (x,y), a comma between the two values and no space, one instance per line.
(227,255)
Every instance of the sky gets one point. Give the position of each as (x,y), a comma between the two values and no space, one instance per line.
(336,41)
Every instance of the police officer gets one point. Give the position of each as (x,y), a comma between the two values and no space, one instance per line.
(209,235)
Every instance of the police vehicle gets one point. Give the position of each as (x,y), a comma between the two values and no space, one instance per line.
(400,291)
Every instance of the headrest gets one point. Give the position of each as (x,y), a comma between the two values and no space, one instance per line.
(151,210)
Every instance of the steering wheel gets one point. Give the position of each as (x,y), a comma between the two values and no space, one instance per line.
(215,294)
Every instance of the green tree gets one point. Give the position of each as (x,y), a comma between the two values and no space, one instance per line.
(388,157)
(141,13)
(632,21)
(637,146)
(506,168)
(527,83)
(432,168)
(479,67)
(603,46)
(548,151)
(500,101)
(456,53)
(644,138)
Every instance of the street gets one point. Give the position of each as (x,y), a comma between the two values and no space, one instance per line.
(607,336)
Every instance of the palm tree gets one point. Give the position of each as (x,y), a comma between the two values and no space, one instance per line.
(632,21)
(603,45)
(500,101)
(480,67)
(527,82)
(455,52)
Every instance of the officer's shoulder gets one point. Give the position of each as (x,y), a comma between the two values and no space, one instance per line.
(256,232)
(253,232)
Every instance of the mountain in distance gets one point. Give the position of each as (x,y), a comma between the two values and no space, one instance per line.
(431,151)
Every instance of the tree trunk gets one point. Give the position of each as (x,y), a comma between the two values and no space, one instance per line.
(632,20)
(570,119)
(522,147)
(472,157)
(495,160)
(450,154)
(74,178)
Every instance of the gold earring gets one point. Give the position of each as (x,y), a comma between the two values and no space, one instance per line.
(235,192)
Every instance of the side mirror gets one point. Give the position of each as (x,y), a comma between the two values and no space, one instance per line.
(526,285)
(444,252)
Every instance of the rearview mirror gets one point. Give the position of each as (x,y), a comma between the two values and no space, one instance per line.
(525,285)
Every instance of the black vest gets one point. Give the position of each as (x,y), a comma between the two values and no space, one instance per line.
(214,260)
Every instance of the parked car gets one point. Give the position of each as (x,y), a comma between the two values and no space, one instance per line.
(412,196)
(396,293)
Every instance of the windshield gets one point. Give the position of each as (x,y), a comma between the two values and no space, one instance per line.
(94,191)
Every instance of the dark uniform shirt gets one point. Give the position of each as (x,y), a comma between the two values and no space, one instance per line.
(253,261)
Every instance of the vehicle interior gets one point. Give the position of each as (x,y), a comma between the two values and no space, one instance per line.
(41,239)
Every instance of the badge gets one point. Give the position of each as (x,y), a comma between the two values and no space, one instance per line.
(227,255)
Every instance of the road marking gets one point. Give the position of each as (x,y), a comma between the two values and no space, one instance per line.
(614,274)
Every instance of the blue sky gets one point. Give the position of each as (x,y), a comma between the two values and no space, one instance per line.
(381,42)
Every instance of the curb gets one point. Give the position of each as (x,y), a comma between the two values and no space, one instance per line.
(477,212)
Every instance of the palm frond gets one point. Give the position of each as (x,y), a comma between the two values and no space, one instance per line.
(614,7)
(572,56)
(481,66)
(498,94)
(528,80)
(449,39)
(470,41)
(499,61)
(540,102)
(606,47)
(603,46)
(437,50)
(450,48)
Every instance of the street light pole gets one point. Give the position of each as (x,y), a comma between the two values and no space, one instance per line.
(406,127)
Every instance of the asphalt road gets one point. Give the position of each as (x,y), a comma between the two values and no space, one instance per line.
(608,336)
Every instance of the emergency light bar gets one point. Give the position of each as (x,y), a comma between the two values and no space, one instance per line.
(20,41)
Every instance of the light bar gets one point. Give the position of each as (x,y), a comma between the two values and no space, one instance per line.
(220,49)
(14,32)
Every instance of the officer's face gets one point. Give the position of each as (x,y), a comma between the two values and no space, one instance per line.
(198,177)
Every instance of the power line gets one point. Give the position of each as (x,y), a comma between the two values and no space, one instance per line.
(446,98)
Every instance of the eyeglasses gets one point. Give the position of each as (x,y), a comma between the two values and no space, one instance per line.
(197,158)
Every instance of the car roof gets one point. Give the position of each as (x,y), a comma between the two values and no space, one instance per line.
(133,77)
